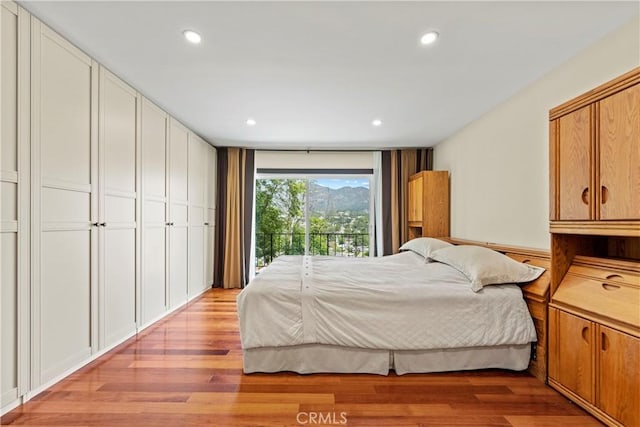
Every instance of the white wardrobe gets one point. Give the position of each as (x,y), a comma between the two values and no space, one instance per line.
(107,209)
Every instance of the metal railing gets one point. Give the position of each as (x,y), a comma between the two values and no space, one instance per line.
(271,245)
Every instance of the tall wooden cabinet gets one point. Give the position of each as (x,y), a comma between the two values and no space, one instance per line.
(428,204)
(594,314)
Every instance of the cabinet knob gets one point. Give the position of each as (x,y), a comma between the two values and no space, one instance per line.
(585,196)
(603,341)
(206,223)
(103,224)
(95,224)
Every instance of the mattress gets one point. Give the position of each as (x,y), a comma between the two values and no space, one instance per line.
(397,303)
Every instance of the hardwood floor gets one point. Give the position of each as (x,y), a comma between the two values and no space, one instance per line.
(187,371)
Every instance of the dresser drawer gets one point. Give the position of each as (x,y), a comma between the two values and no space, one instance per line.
(608,275)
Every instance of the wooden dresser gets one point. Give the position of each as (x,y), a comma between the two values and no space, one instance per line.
(594,313)
(428,204)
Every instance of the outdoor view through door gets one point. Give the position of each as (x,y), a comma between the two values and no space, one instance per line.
(314,216)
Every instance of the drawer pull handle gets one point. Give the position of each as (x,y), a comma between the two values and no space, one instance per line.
(585,336)
(615,276)
(604,194)
(603,341)
(608,287)
(526,261)
(585,196)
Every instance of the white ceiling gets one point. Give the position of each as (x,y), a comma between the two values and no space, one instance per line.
(315,74)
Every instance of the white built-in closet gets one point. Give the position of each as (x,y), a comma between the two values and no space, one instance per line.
(107,212)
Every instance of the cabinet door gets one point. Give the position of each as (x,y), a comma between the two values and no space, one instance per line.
(574,165)
(117,205)
(154,205)
(571,362)
(415,200)
(619,375)
(620,155)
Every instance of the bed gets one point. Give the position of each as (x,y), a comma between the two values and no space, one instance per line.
(312,314)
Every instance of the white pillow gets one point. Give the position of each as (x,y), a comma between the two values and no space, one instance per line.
(424,246)
(484,266)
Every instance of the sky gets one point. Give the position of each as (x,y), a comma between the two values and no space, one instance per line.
(342,182)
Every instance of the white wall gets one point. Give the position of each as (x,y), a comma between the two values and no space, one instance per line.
(499,164)
(314,160)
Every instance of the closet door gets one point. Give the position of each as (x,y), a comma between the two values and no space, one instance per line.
(117,209)
(14,191)
(197,161)
(210,217)
(64,146)
(178,214)
(154,212)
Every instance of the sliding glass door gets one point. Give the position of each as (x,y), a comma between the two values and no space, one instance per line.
(312,215)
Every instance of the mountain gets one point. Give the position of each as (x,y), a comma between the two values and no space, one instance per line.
(326,201)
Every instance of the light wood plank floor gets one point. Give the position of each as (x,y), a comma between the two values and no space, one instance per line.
(187,371)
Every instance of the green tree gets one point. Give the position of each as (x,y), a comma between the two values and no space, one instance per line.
(279,217)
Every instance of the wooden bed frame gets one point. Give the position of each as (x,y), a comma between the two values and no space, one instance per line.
(535,293)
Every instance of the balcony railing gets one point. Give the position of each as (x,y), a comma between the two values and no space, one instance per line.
(271,245)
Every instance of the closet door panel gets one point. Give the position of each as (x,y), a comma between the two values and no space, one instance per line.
(120,210)
(178,153)
(120,284)
(118,141)
(65,107)
(9,208)
(9,64)
(62,206)
(9,329)
(153,288)
(178,268)
(208,254)
(154,213)
(154,156)
(196,279)
(65,298)
(119,135)
(179,214)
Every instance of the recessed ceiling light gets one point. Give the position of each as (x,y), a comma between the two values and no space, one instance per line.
(429,37)
(251,122)
(376,122)
(192,36)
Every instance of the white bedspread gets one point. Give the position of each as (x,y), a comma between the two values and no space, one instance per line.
(396,302)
